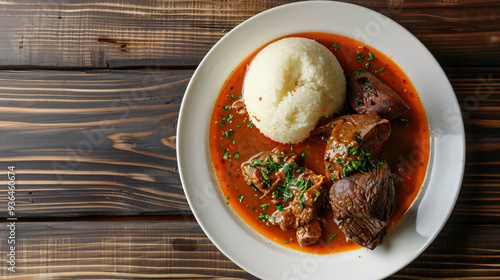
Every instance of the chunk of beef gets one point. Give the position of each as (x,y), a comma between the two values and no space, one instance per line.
(309,233)
(354,141)
(265,178)
(298,190)
(363,203)
(367,94)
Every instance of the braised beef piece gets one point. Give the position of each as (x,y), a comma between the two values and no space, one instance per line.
(367,94)
(297,190)
(309,233)
(355,140)
(363,203)
(263,177)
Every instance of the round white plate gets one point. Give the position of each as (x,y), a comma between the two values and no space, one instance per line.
(426,217)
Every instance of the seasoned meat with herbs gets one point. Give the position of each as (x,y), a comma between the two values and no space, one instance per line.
(354,142)
(367,94)
(297,191)
(363,203)
(309,233)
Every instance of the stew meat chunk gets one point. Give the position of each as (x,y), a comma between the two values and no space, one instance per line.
(297,191)
(355,140)
(367,94)
(363,203)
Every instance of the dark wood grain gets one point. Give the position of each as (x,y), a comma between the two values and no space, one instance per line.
(92,143)
(172,33)
(103,142)
(180,250)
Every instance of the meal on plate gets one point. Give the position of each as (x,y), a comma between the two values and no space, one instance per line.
(319,142)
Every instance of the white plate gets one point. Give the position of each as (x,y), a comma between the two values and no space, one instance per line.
(424,220)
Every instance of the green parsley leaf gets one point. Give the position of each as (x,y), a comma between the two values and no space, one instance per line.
(225,119)
(361,71)
(303,155)
(329,165)
(240,198)
(237,155)
(331,237)
(360,57)
(358,139)
(280,207)
(228,133)
(264,206)
(250,125)
(379,70)
(226,154)
(318,193)
(371,56)
(226,108)
(367,65)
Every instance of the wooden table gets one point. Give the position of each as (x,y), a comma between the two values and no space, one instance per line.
(89,99)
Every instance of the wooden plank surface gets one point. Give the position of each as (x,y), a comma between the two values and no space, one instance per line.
(121,33)
(102,142)
(180,250)
(92,143)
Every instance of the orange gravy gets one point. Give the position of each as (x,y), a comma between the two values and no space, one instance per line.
(406,150)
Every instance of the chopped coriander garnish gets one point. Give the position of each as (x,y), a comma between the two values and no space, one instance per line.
(253,208)
(291,147)
(335,46)
(368,65)
(371,56)
(331,237)
(226,107)
(226,154)
(332,178)
(329,165)
(224,120)
(233,141)
(280,207)
(250,125)
(237,155)
(240,96)
(318,193)
(303,155)
(279,155)
(361,71)
(227,197)
(240,198)
(286,241)
(264,206)
(360,57)
(232,97)
(381,162)
(228,133)
(358,138)
(299,170)
(379,70)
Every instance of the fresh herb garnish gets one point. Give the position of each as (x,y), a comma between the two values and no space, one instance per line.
(335,46)
(360,57)
(303,155)
(264,206)
(228,133)
(237,155)
(225,108)
(379,70)
(358,138)
(224,120)
(226,154)
(371,56)
(280,207)
(240,198)
(331,237)
(250,125)
(361,71)
(318,193)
